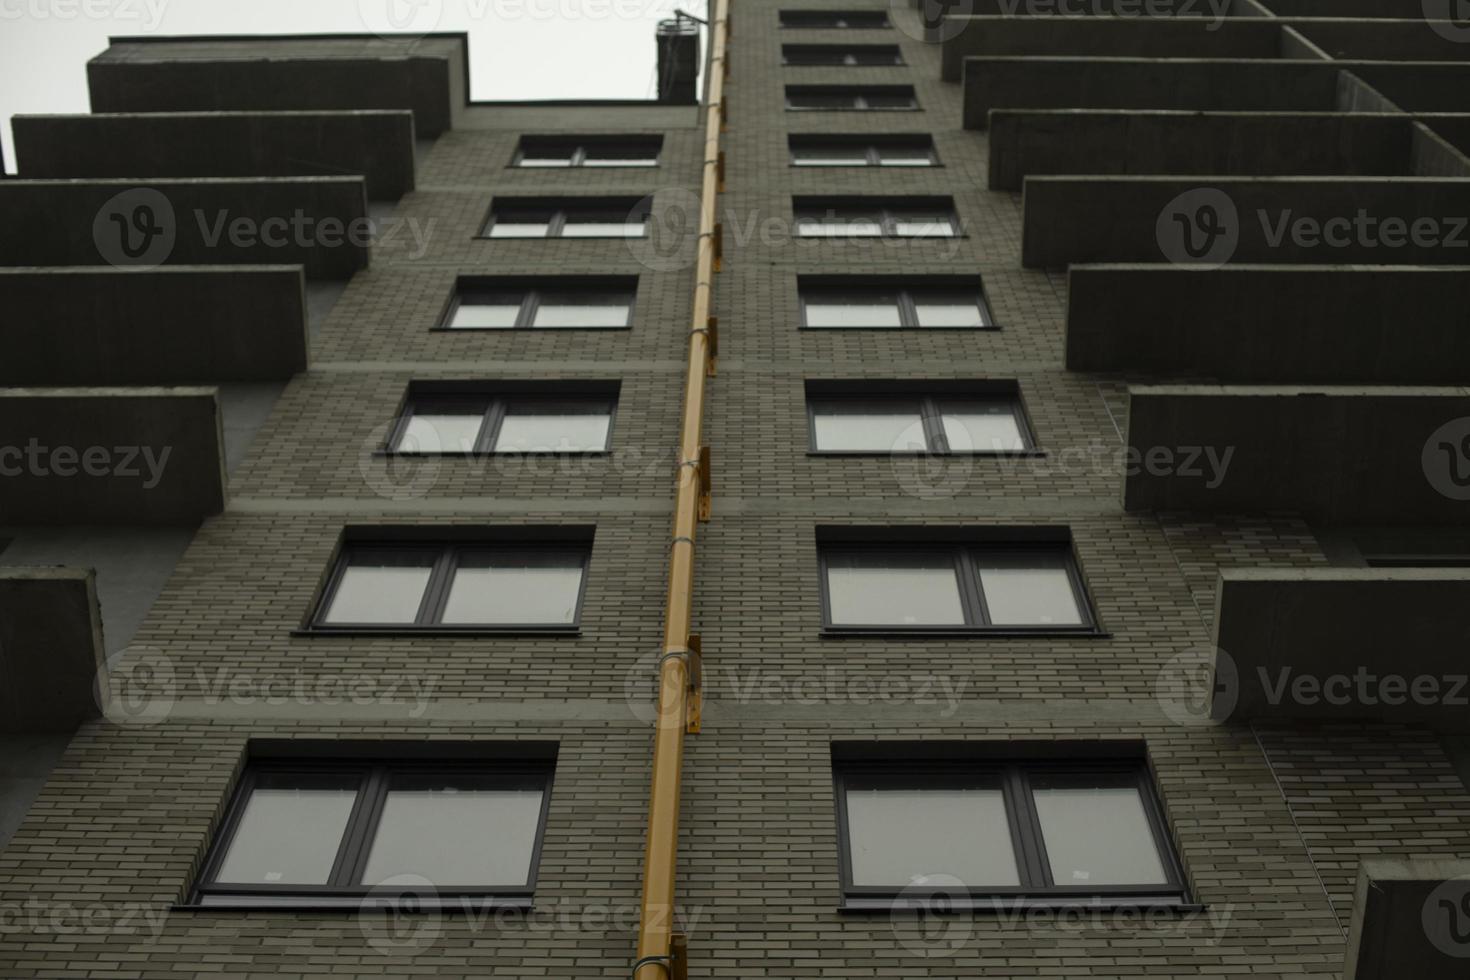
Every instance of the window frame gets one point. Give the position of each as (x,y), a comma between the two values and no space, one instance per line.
(532,297)
(496,401)
(973,603)
(908,299)
(1014,777)
(872,147)
(558,216)
(579,146)
(359,834)
(931,415)
(887,217)
(859,94)
(447,555)
(850,54)
(834,20)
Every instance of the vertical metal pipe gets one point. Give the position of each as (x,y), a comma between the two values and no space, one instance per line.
(656,922)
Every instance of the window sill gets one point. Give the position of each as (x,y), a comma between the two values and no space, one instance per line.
(964,454)
(581,167)
(985,329)
(571,453)
(943,904)
(360,904)
(962,633)
(526,330)
(436,631)
(792,108)
(885,238)
(862,166)
(560,238)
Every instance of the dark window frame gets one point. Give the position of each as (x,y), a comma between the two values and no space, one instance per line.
(578,147)
(1014,777)
(887,217)
(558,215)
(833,20)
(859,95)
(872,146)
(967,577)
(930,406)
(446,555)
(375,777)
(494,402)
(532,297)
(846,55)
(907,298)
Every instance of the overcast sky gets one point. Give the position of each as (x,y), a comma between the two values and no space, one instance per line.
(519,49)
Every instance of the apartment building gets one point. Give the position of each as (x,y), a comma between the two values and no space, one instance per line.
(967,491)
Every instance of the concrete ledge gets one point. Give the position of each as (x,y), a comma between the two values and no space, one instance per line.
(1409,920)
(1091,36)
(1146,83)
(186,74)
(170,325)
(145,456)
(1417,86)
(189,222)
(1271,324)
(375,144)
(1321,645)
(1338,455)
(50,649)
(1118,141)
(1392,9)
(1136,219)
(1380,39)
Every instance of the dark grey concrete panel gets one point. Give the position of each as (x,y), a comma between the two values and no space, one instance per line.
(1364,220)
(1146,83)
(143,456)
(426,75)
(377,145)
(1436,86)
(1271,324)
(1088,36)
(1396,9)
(1409,920)
(50,648)
(1318,645)
(317,222)
(170,325)
(1120,141)
(1334,455)
(1385,40)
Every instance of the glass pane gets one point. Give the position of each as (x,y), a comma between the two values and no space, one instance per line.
(950,313)
(829,156)
(545,160)
(1098,835)
(531,429)
(435,433)
(381,590)
(456,837)
(869,428)
(985,427)
(1038,595)
(506,589)
(919,226)
(887,100)
(519,229)
(893,590)
(829,226)
(619,157)
(566,311)
(821,100)
(288,836)
(901,836)
(499,315)
(894,156)
(867,311)
(576,228)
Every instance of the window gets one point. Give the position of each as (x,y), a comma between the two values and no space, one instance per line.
(456,585)
(565,303)
(973,831)
(853,306)
(873,98)
(917,423)
(863,151)
(861,219)
(589,151)
(583,219)
(835,19)
(914,584)
(344,833)
(840,54)
(457,418)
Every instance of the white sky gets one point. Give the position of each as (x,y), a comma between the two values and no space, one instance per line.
(519,49)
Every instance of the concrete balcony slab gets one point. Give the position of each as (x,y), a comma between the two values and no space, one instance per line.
(1410,921)
(51,638)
